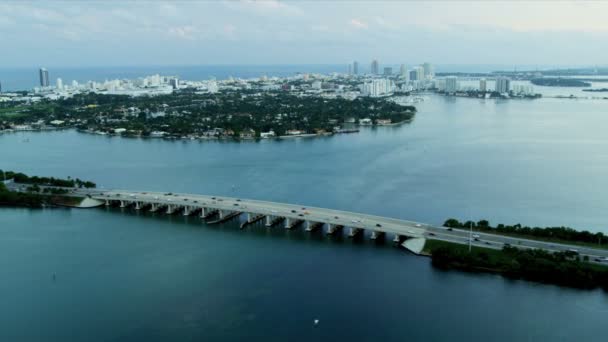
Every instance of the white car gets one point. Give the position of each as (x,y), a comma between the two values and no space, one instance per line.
(418,225)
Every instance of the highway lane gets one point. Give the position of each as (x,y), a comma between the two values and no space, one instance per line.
(496,241)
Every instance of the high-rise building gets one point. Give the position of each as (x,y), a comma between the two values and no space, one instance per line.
(375,67)
(403,71)
(419,73)
(44,77)
(451,84)
(59,83)
(388,70)
(356,68)
(483,85)
(428,71)
(413,75)
(503,85)
(174,82)
(378,87)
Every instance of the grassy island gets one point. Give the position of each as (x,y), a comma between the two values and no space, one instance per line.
(559,82)
(40,191)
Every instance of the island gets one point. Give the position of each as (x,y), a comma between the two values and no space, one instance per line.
(566,268)
(559,82)
(38,192)
(167,107)
(597,90)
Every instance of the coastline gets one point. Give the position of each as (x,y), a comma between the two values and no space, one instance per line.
(206,138)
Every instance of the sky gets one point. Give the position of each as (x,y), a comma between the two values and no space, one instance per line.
(123,33)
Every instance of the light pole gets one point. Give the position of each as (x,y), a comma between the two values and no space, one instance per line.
(470,235)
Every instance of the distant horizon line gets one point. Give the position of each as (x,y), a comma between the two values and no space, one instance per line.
(140,66)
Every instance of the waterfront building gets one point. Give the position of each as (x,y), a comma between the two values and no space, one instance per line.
(522,89)
(388,71)
(503,85)
(378,87)
(451,84)
(439,85)
(59,84)
(374,68)
(483,85)
(356,68)
(44,77)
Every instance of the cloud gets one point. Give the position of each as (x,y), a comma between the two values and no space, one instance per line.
(188,32)
(264,7)
(356,23)
(301,32)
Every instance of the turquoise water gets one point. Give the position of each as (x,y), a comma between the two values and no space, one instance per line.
(124,276)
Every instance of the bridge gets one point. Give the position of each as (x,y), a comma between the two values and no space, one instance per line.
(271,213)
(216,209)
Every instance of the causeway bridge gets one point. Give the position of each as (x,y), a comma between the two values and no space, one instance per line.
(221,208)
(216,209)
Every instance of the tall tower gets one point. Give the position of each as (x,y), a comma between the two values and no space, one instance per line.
(428,70)
(375,67)
(356,68)
(59,83)
(44,77)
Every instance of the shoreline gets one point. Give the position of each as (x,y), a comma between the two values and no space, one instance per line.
(206,138)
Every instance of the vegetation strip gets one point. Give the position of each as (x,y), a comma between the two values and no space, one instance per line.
(552,234)
(560,268)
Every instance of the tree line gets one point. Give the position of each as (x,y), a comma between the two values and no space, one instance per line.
(560,268)
(565,234)
(19,177)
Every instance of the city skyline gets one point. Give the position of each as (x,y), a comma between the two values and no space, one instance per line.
(273,32)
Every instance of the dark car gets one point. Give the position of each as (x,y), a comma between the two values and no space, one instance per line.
(300,214)
(236,204)
(238,199)
(293,211)
(432,234)
(378,225)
